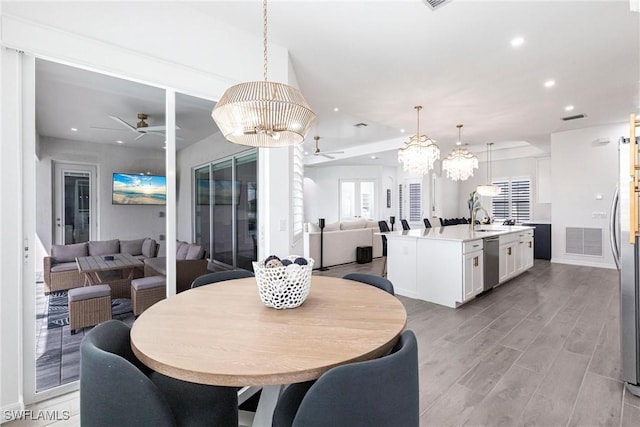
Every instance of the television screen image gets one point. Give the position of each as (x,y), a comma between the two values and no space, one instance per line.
(131,189)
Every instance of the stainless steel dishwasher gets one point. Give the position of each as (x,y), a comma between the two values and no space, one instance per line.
(491,262)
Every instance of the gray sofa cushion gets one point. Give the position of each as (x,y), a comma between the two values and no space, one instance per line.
(88,292)
(132,247)
(68,253)
(181,250)
(64,266)
(148,283)
(194,252)
(104,247)
(149,248)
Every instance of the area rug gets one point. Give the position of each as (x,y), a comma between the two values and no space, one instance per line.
(58,309)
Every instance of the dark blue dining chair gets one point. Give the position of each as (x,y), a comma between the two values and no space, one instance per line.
(427,223)
(375,393)
(220,276)
(116,389)
(369,279)
(405,224)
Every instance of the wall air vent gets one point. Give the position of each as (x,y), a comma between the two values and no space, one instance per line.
(361,125)
(583,241)
(433,4)
(577,116)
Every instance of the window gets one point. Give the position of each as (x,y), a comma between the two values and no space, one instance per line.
(514,200)
(415,202)
(297,192)
(400,202)
(357,199)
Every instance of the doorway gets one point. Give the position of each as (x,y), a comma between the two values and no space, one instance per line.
(74,203)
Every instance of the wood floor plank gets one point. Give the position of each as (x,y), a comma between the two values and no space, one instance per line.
(630,416)
(599,402)
(504,405)
(551,404)
(486,374)
(523,334)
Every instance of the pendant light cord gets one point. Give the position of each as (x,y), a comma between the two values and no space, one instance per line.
(264,17)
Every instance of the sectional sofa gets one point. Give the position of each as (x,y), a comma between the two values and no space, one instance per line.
(190,263)
(340,241)
(60,268)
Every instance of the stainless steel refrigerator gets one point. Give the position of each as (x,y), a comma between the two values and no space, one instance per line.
(624,243)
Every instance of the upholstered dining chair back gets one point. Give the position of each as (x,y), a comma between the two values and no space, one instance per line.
(405,224)
(375,393)
(116,389)
(220,276)
(377,281)
(427,223)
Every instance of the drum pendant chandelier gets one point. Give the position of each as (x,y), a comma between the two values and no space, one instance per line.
(263,114)
(420,153)
(460,163)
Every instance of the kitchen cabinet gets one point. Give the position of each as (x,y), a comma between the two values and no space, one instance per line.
(472,273)
(445,265)
(525,251)
(507,261)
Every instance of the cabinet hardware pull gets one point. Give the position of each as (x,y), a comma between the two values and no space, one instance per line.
(633,196)
(529,244)
(475,261)
(508,251)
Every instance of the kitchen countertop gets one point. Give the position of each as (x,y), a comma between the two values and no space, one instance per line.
(460,233)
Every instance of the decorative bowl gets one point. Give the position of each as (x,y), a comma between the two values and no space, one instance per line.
(285,286)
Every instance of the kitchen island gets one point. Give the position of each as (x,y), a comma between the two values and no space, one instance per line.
(445,265)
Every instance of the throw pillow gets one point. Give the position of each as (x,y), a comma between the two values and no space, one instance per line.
(69,253)
(194,252)
(334,226)
(149,248)
(181,250)
(104,247)
(131,247)
(353,225)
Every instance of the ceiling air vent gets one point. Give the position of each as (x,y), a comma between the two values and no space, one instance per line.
(433,4)
(361,125)
(577,116)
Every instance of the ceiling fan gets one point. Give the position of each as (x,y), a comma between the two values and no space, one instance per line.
(319,153)
(142,127)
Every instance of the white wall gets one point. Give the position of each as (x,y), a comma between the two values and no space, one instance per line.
(581,168)
(520,167)
(114,221)
(128,40)
(322,190)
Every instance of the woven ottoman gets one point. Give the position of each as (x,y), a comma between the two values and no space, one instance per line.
(89,306)
(147,291)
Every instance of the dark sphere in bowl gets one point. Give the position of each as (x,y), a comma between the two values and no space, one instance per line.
(301,261)
(286,262)
(270,257)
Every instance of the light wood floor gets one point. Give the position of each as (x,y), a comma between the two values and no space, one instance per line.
(540,350)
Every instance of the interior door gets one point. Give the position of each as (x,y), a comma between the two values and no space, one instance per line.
(358,199)
(75,200)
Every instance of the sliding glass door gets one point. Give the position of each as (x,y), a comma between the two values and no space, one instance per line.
(226,209)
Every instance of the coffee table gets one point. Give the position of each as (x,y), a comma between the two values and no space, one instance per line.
(222,334)
(116,272)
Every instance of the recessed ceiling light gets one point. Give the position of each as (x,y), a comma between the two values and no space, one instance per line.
(306,153)
(374,157)
(74,129)
(336,109)
(549,83)
(518,41)
(569,108)
(119,142)
(401,130)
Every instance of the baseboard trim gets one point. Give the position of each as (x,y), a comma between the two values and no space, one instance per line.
(10,411)
(583,263)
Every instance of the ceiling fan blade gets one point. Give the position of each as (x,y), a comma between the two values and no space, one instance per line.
(327,156)
(157,128)
(334,152)
(139,136)
(98,127)
(123,123)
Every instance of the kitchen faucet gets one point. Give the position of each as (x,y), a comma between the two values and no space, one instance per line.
(474,212)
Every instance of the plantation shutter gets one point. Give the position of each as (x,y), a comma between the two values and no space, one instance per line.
(500,203)
(521,199)
(400,202)
(415,202)
(297,192)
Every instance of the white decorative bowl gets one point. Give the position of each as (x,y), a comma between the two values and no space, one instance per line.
(286,286)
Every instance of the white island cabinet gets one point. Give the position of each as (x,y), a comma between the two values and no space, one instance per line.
(445,265)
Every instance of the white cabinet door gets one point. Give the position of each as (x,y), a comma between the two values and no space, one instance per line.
(472,274)
(527,253)
(507,263)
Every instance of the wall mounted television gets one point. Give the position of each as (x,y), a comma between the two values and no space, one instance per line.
(139,189)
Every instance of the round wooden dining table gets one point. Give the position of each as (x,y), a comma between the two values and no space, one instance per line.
(221,334)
